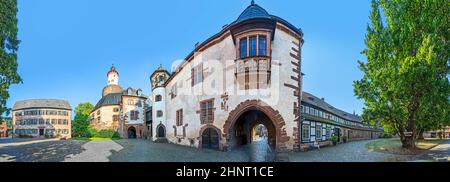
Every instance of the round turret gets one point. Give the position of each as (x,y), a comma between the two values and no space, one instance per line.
(113,76)
(159,77)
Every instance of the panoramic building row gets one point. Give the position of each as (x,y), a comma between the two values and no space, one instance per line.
(242,82)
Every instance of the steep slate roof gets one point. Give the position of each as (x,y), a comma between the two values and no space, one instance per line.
(108,100)
(318,102)
(42,103)
(253,11)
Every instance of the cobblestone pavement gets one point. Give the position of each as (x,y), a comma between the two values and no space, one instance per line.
(37,150)
(95,151)
(440,153)
(146,151)
(355,151)
(32,150)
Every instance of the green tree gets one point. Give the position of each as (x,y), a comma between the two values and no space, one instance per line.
(9,46)
(405,84)
(80,124)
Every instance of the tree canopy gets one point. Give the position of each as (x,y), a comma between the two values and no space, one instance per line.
(406,76)
(9,45)
(80,124)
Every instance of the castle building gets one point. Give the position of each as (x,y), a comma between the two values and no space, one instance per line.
(121,110)
(42,118)
(246,75)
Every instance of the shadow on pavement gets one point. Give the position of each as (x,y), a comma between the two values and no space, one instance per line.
(46,151)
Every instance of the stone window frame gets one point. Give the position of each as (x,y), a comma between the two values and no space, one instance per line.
(197,74)
(179,117)
(173,91)
(159,113)
(262,83)
(246,35)
(134,115)
(207,113)
(158,98)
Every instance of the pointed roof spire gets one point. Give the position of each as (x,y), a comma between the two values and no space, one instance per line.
(253,11)
(113,69)
(160,67)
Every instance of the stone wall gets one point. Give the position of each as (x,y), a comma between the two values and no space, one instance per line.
(219,69)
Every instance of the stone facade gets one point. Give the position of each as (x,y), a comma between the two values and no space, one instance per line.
(133,124)
(121,110)
(246,75)
(221,85)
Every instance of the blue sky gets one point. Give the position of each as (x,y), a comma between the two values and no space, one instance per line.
(68,46)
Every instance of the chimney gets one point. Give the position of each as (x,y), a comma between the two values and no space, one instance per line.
(323,99)
(224,26)
(197,44)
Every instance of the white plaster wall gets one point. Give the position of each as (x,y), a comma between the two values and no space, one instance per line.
(278,96)
(159,106)
(126,108)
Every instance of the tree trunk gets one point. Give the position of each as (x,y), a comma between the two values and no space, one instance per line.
(409,142)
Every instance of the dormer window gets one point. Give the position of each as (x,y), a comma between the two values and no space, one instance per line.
(253,45)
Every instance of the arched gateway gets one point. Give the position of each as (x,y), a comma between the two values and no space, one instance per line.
(131,132)
(238,127)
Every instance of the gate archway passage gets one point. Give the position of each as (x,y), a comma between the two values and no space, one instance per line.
(132,132)
(247,115)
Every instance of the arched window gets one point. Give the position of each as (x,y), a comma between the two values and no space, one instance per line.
(158,98)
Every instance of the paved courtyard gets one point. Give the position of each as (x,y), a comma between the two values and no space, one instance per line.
(355,151)
(440,153)
(51,150)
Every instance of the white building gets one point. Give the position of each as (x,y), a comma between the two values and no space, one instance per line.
(247,74)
